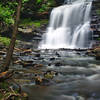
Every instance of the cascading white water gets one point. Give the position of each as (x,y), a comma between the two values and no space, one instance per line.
(69,26)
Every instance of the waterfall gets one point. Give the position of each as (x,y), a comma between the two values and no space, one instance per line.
(69,26)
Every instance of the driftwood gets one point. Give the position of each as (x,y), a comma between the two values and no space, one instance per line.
(11,94)
(6,75)
(23,50)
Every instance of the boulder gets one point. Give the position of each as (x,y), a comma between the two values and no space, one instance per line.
(98,57)
(95,52)
(58,64)
(41,81)
(38,65)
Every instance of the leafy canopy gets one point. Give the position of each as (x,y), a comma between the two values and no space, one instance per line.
(7,11)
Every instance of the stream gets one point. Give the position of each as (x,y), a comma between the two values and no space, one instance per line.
(78,76)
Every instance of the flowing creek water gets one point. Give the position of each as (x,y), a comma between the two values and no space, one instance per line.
(78,75)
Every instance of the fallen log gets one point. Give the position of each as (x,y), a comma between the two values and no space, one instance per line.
(6,75)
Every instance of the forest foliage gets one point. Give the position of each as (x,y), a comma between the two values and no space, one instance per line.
(8,8)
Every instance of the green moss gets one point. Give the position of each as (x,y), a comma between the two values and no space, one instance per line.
(98,11)
(98,39)
(5,41)
(29,22)
(1,96)
(38,23)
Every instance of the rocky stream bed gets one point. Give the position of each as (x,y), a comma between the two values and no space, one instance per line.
(59,74)
(56,74)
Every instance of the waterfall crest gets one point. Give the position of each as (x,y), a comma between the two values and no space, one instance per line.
(69,26)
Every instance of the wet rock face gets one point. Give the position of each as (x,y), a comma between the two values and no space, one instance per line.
(30,33)
(59,2)
(98,57)
(95,21)
(94,52)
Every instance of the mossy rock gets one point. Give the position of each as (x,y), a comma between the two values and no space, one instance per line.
(98,11)
(48,76)
(35,23)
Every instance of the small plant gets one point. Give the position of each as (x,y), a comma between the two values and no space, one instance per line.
(98,12)
(5,41)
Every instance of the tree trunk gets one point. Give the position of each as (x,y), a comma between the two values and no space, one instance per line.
(13,39)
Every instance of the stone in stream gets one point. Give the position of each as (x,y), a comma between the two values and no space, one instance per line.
(2,53)
(58,64)
(51,59)
(46,78)
(26,52)
(95,52)
(93,26)
(58,54)
(17,62)
(25,64)
(38,65)
(97,56)
(41,81)
(49,75)
(37,55)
